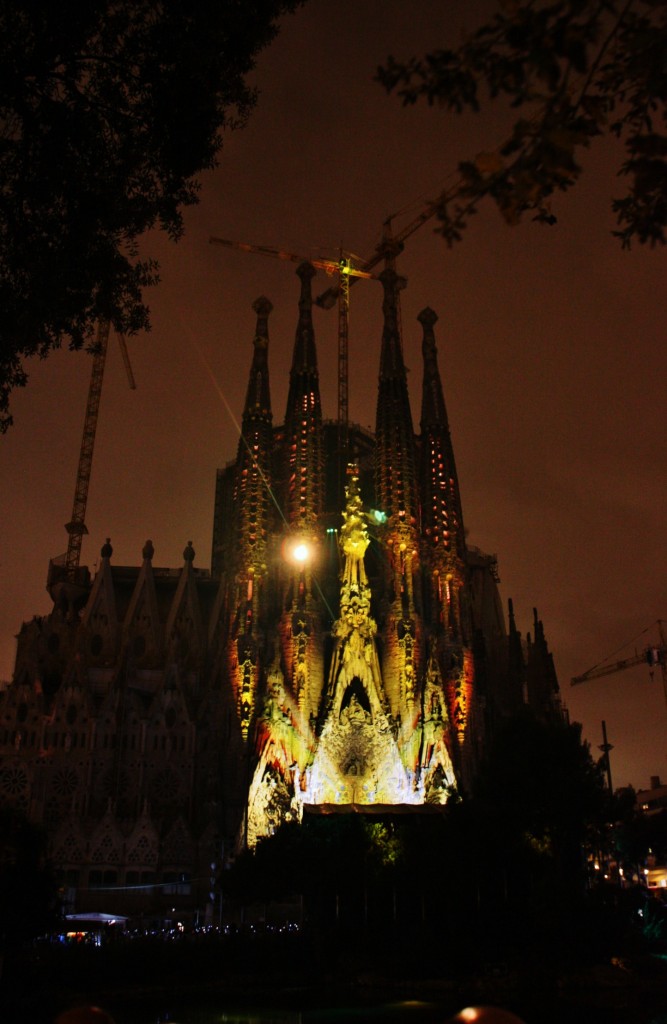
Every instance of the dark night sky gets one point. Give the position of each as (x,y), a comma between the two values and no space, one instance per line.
(551,353)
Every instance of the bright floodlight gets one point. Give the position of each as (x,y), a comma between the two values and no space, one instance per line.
(300,552)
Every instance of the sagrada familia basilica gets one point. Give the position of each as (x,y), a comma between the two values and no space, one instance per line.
(346,652)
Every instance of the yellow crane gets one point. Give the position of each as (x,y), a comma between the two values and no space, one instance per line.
(652,655)
(387,251)
(76,528)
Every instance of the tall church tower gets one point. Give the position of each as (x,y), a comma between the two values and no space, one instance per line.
(247,567)
(302,463)
(397,495)
(332,659)
(446,585)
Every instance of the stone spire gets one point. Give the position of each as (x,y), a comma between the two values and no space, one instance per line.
(449,616)
(516,667)
(253,460)
(543,692)
(258,397)
(395,444)
(396,490)
(303,419)
(442,517)
(252,505)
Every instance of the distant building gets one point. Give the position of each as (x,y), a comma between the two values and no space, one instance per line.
(347,650)
(653,800)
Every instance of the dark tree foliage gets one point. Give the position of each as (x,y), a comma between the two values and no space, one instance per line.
(541,791)
(576,70)
(108,111)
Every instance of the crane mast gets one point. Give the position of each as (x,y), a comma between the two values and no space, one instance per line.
(76,528)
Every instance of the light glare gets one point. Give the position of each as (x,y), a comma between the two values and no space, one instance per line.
(300,552)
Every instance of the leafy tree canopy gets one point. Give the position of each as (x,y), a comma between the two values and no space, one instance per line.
(540,786)
(575,70)
(108,111)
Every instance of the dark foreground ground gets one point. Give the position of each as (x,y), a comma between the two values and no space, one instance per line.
(202,979)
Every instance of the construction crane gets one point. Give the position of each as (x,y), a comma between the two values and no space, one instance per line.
(387,251)
(344,269)
(653,656)
(76,528)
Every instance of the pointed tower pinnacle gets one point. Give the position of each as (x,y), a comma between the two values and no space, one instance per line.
(304,358)
(396,489)
(303,419)
(252,511)
(543,691)
(396,483)
(253,461)
(516,668)
(258,398)
(443,548)
(442,517)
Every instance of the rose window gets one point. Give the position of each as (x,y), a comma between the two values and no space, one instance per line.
(13,781)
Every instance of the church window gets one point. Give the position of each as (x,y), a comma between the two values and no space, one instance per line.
(53,643)
(22,712)
(71,714)
(13,782)
(139,646)
(65,782)
(94,879)
(96,645)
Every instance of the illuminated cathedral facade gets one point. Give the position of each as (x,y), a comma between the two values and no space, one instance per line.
(346,652)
